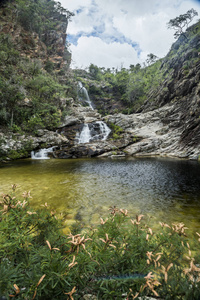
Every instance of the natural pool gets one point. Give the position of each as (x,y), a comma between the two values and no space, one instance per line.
(84,189)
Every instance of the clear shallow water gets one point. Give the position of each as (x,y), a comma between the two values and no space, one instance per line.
(84,189)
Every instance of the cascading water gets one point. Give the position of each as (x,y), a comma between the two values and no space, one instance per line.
(42,153)
(83,95)
(93,131)
(105,130)
(85,135)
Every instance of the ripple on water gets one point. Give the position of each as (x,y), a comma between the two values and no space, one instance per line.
(165,188)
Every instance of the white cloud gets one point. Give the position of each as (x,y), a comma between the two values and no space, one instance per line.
(105,32)
(94,50)
(75,4)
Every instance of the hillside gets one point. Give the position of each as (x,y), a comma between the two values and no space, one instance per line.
(35,80)
(172,80)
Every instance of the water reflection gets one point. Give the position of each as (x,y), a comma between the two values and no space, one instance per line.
(85,188)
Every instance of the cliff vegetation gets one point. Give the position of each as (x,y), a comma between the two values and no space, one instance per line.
(34,60)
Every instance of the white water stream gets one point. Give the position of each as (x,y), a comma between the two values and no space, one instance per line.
(93,131)
(42,153)
(83,95)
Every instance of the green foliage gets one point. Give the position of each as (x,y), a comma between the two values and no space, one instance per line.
(21,78)
(116,131)
(41,16)
(95,72)
(30,91)
(130,87)
(141,82)
(48,118)
(121,256)
(49,66)
(181,22)
(151,58)
(10,95)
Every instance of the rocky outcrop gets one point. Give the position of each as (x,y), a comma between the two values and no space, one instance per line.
(48,46)
(160,133)
(163,131)
(14,145)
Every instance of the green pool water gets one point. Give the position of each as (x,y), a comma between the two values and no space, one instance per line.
(84,189)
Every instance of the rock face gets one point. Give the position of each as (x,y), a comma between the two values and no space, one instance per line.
(160,133)
(14,145)
(51,47)
(168,122)
(166,131)
(181,90)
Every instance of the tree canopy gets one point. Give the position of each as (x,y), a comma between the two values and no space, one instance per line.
(182,22)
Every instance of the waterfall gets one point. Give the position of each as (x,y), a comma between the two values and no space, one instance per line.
(83,95)
(105,130)
(42,153)
(95,131)
(84,136)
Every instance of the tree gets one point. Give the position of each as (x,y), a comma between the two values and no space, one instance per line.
(151,58)
(95,72)
(180,23)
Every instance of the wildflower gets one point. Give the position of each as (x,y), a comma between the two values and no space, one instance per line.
(193,272)
(198,236)
(71,293)
(179,228)
(138,219)
(17,291)
(108,241)
(77,241)
(26,195)
(31,213)
(49,245)
(149,276)
(164,225)
(149,255)
(156,260)
(150,284)
(165,271)
(150,231)
(73,263)
(22,204)
(124,212)
(136,295)
(14,186)
(113,209)
(103,222)
(37,286)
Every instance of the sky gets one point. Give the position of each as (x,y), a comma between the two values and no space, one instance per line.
(120,33)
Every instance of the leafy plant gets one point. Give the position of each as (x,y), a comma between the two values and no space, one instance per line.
(121,256)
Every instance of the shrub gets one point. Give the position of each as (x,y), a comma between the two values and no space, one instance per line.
(121,256)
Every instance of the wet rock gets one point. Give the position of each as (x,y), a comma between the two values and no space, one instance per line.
(24,143)
(69,121)
(160,131)
(85,150)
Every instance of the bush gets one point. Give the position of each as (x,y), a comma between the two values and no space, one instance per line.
(121,256)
